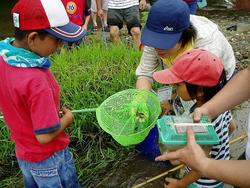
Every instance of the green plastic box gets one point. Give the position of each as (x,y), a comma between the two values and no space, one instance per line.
(172,132)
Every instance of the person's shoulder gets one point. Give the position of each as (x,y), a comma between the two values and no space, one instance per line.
(201,20)
(32,76)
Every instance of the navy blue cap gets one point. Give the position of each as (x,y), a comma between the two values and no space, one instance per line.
(69,32)
(166,21)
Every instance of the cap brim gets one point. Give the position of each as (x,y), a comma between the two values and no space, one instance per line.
(159,40)
(166,77)
(69,33)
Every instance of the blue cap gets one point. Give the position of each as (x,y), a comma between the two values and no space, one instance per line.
(166,21)
(69,32)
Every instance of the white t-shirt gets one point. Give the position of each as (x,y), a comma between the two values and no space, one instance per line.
(121,4)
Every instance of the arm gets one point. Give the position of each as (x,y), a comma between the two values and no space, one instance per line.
(227,171)
(225,99)
(65,122)
(99,8)
(148,65)
(191,177)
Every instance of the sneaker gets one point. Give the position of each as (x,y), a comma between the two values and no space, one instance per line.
(95,28)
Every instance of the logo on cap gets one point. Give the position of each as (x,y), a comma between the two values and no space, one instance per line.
(71,7)
(168,28)
(16,20)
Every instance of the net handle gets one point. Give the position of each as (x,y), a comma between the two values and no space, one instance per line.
(84,110)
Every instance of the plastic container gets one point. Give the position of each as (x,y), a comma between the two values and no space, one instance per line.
(149,147)
(172,132)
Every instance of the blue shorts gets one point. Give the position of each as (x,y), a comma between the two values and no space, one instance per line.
(58,171)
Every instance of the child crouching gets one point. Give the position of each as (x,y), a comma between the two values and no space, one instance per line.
(198,75)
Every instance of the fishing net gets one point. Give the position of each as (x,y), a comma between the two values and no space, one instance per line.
(129,115)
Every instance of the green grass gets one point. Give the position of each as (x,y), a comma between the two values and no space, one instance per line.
(87,76)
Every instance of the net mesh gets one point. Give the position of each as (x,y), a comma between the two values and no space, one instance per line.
(129,112)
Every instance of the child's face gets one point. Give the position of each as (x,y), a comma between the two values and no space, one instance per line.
(182,91)
(165,53)
(45,46)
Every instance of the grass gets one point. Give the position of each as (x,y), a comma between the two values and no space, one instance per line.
(87,76)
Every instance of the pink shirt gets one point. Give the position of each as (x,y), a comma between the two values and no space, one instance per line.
(29,101)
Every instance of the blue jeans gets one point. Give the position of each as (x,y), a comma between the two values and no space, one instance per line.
(58,171)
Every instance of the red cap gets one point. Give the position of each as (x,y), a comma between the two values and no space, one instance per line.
(197,66)
(49,15)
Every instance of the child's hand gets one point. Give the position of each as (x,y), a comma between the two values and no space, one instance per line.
(172,183)
(67,116)
(166,108)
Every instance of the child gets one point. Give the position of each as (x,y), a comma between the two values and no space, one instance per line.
(120,11)
(194,156)
(199,75)
(78,12)
(104,17)
(29,93)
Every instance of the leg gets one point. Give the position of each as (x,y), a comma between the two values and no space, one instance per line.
(132,19)
(136,35)
(29,181)
(105,18)
(55,172)
(114,34)
(115,21)
(93,16)
(105,12)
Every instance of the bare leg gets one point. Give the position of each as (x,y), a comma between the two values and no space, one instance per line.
(136,35)
(105,18)
(93,16)
(114,34)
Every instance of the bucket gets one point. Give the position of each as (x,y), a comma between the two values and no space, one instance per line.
(149,147)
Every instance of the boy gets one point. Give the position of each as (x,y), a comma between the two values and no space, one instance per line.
(29,94)
(78,12)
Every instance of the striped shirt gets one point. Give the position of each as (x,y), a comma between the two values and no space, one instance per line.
(219,151)
(121,4)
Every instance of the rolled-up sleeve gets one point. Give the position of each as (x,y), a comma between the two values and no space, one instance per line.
(148,64)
